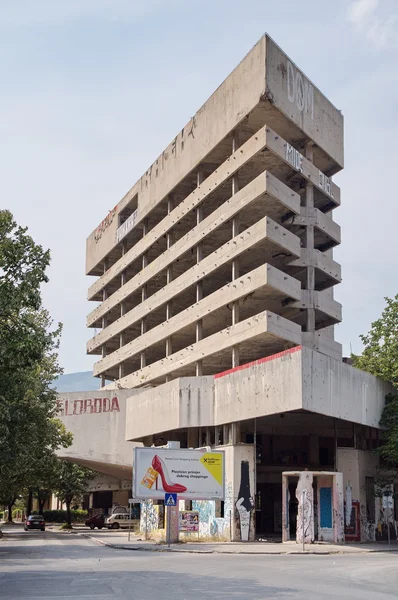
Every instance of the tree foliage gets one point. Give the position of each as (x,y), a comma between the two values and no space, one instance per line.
(380,354)
(380,357)
(72,482)
(389,421)
(29,429)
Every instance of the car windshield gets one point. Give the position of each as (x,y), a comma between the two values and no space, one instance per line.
(36,518)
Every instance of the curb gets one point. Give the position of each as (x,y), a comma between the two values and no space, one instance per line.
(229,552)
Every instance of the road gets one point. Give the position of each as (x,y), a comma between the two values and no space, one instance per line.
(48,565)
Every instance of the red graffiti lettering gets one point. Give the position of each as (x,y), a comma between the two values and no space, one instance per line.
(115,404)
(90,406)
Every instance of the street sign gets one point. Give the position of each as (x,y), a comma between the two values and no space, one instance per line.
(170,499)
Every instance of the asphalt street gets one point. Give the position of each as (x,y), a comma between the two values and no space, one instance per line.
(38,565)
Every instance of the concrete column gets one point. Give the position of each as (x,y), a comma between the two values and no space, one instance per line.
(144,291)
(199,285)
(169,279)
(239,492)
(235,434)
(309,243)
(123,281)
(193,438)
(235,263)
(285,511)
(104,321)
(208,436)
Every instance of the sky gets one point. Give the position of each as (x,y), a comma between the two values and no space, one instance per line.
(92,91)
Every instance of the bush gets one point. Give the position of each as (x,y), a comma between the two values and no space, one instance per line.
(1,515)
(59,516)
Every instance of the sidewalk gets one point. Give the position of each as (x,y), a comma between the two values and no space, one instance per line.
(119,540)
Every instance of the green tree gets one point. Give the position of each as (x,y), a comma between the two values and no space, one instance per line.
(389,421)
(380,353)
(29,428)
(380,357)
(72,483)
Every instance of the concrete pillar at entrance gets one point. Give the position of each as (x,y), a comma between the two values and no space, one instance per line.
(239,491)
(338,508)
(305,514)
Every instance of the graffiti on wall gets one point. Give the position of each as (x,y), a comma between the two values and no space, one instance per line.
(211,525)
(127,226)
(348,503)
(244,503)
(88,406)
(103,226)
(296,159)
(152,516)
(300,91)
(305,514)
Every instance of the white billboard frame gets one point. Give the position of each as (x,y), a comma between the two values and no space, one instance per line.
(141,492)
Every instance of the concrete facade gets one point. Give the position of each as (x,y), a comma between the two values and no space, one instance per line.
(222,253)
(97,421)
(214,278)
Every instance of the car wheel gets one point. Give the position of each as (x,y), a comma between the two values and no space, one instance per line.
(25,529)
(99,526)
(92,526)
(43,529)
(115,526)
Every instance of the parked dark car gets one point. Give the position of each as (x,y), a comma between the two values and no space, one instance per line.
(35,522)
(95,521)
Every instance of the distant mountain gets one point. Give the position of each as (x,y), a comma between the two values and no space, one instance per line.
(77,382)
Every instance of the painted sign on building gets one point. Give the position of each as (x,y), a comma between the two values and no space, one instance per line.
(191,474)
(88,406)
(127,226)
(103,226)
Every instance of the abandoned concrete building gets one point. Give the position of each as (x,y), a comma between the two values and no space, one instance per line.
(214,281)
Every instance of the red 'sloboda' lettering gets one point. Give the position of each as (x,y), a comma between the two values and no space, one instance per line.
(90,406)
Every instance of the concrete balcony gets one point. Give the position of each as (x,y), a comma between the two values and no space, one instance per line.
(327,270)
(265,286)
(327,310)
(265,193)
(260,335)
(327,233)
(269,242)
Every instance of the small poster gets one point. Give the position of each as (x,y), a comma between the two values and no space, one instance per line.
(189,521)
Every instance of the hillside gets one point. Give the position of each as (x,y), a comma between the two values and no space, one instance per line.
(77,382)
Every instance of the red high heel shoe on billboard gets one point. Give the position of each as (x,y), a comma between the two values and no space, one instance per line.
(171,488)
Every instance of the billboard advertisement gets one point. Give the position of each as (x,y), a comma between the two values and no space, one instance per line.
(191,474)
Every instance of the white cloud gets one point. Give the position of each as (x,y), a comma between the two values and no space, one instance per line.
(379,29)
(360,11)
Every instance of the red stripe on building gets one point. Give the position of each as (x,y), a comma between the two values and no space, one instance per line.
(259,361)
